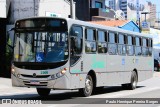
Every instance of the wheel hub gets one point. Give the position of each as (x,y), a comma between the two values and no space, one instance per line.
(88,85)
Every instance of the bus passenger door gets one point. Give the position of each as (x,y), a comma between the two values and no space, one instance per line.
(75,55)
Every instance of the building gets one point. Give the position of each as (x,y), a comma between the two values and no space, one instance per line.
(30,8)
(5,5)
(152,15)
(106,14)
(88,10)
(114,4)
(123,24)
(152,10)
(123,7)
(119,5)
(130,7)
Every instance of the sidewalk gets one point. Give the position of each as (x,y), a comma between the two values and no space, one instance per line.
(156,74)
(7,89)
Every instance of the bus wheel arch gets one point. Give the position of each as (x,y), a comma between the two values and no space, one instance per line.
(133,81)
(135,70)
(93,75)
(90,84)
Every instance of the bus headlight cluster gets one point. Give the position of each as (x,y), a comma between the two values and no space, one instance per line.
(13,71)
(59,74)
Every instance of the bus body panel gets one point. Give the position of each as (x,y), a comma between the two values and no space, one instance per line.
(115,67)
(97,64)
(144,67)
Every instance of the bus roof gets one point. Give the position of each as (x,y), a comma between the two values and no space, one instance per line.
(92,25)
(114,29)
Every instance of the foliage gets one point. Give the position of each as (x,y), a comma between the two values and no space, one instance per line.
(9,54)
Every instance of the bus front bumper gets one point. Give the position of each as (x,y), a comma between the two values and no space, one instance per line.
(59,83)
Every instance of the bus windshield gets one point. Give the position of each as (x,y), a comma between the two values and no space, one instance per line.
(41,46)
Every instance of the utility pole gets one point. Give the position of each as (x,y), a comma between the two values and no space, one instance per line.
(138,16)
(138,10)
(71,9)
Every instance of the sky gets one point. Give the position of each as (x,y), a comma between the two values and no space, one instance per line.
(157,2)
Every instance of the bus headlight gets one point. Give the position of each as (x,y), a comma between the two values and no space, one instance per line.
(13,71)
(59,74)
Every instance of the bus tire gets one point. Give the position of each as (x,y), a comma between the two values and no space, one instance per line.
(133,82)
(87,90)
(43,92)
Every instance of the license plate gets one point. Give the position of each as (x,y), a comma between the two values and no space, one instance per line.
(34,82)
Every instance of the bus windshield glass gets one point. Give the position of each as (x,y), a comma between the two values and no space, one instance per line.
(41,47)
(41,40)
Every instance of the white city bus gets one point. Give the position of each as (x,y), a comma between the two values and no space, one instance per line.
(56,53)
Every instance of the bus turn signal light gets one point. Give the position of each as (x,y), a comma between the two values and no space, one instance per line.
(64,71)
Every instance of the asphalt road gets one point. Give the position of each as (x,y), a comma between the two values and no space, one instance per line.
(146,89)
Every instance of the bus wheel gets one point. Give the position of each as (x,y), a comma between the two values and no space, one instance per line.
(133,84)
(134,80)
(87,90)
(43,91)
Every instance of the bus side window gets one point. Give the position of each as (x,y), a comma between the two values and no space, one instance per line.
(144,47)
(150,47)
(112,46)
(130,48)
(76,39)
(147,47)
(102,45)
(138,50)
(121,44)
(90,42)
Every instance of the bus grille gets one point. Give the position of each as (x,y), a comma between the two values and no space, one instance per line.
(28,83)
(37,76)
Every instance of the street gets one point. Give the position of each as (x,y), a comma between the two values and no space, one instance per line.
(146,89)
